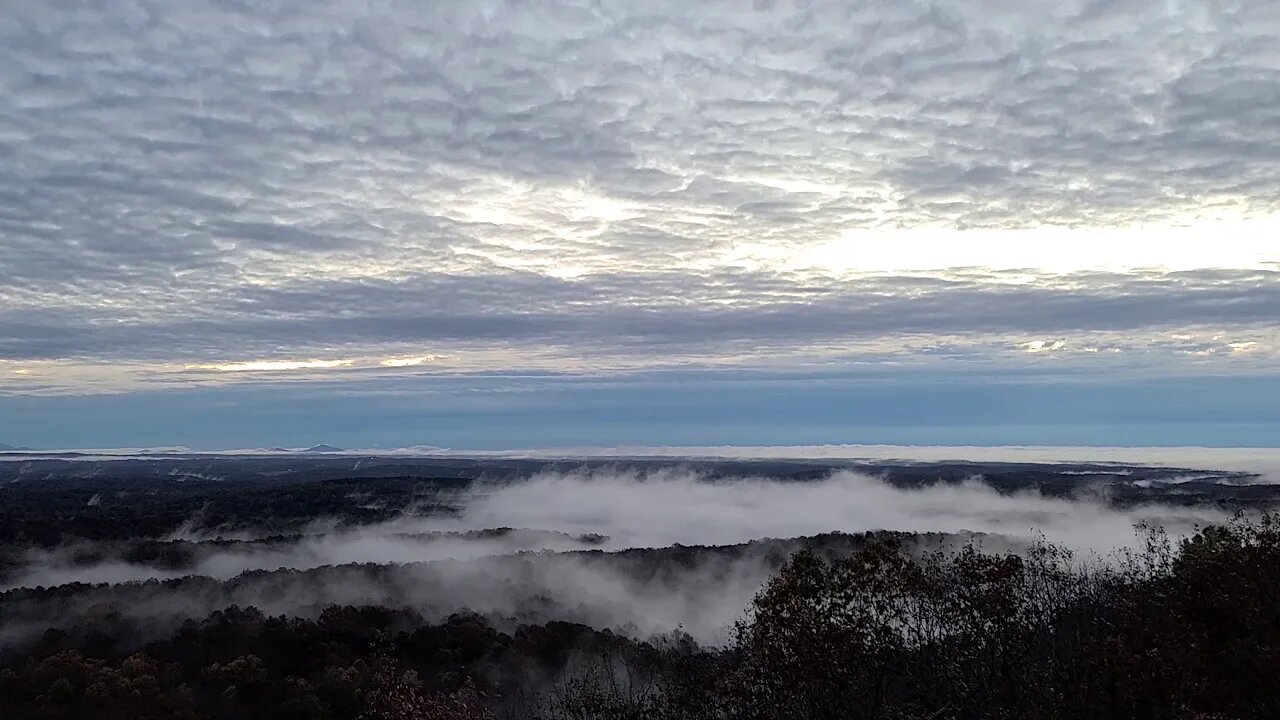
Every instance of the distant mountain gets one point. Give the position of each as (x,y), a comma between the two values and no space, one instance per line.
(323,449)
(6,448)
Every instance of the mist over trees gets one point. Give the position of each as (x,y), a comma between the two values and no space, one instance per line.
(392,597)
(1187,629)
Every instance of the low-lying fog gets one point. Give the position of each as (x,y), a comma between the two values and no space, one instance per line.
(629,510)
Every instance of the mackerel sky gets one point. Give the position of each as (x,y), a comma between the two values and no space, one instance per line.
(483,224)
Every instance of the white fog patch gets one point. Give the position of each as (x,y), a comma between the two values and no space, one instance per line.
(366,545)
(617,510)
(669,506)
(703,596)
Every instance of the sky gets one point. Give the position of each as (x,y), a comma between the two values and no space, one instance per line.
(496,225)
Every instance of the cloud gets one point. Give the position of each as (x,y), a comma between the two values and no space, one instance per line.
(635,315)
(282,178)
(268,365)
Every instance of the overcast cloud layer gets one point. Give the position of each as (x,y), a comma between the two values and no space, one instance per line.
(207,192)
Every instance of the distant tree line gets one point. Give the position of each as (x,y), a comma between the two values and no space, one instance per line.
(49,513)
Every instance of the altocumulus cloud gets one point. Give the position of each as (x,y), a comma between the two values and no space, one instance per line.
(331,187)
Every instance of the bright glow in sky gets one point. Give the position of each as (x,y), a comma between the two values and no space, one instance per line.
(1243,244)
(273,365)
